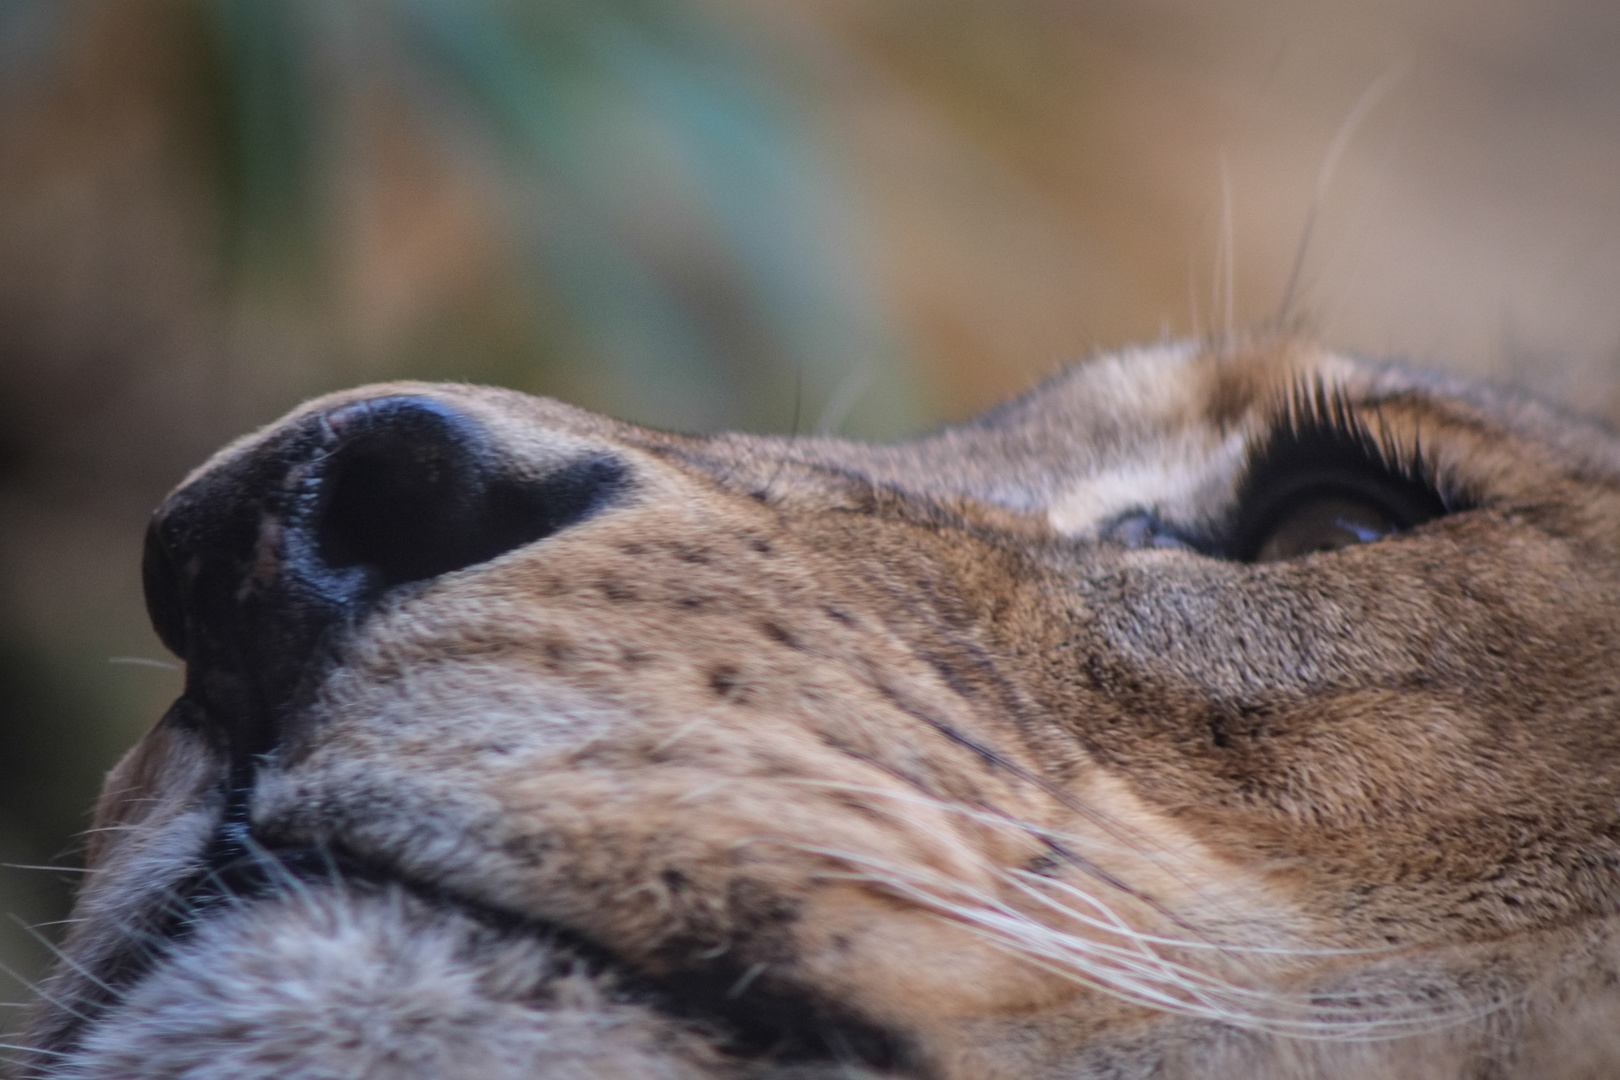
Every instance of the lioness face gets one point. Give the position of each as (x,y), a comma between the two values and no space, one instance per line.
(1207,712)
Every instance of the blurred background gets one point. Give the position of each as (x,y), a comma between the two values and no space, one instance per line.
(859,216)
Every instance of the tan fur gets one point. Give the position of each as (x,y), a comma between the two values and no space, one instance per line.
(894,735)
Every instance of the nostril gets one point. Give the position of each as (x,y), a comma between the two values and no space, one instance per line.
(412,492)
(403,508)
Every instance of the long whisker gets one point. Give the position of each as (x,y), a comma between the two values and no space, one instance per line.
(1125,964)
(32,1050)
(34,988)
(58,952)
(1324,178)
(1134,839)
(1061,841)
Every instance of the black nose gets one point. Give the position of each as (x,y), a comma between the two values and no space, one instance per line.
(254,568)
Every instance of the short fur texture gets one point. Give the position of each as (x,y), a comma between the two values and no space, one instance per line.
(794,758)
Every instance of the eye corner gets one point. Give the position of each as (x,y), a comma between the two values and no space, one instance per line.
(1142,528)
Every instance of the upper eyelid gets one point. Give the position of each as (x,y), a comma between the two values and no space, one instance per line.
(1310,403)
(1310,406)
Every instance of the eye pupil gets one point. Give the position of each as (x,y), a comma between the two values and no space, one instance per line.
(1325,523)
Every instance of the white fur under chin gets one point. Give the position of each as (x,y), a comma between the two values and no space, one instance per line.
(328,982)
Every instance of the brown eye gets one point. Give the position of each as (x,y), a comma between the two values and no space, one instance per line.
(1320,481)
(1325,523)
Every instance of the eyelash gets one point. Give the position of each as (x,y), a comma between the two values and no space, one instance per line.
(1321,427)
(1320,442)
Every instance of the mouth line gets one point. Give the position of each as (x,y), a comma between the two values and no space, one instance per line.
(759,1018)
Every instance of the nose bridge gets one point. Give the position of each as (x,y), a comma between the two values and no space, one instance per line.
(252,567)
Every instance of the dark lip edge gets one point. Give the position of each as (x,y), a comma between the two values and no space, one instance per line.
(767,1023)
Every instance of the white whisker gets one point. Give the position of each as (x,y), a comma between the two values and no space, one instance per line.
(34,988)
(1126,963)
(58,952)
(1226,257)
(1030,883)
(32,1050)
(1134,844)
(1165,857)
(1324,178)
(144,661)
(741,986)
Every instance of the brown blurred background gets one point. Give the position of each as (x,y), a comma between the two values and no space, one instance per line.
(857,215)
